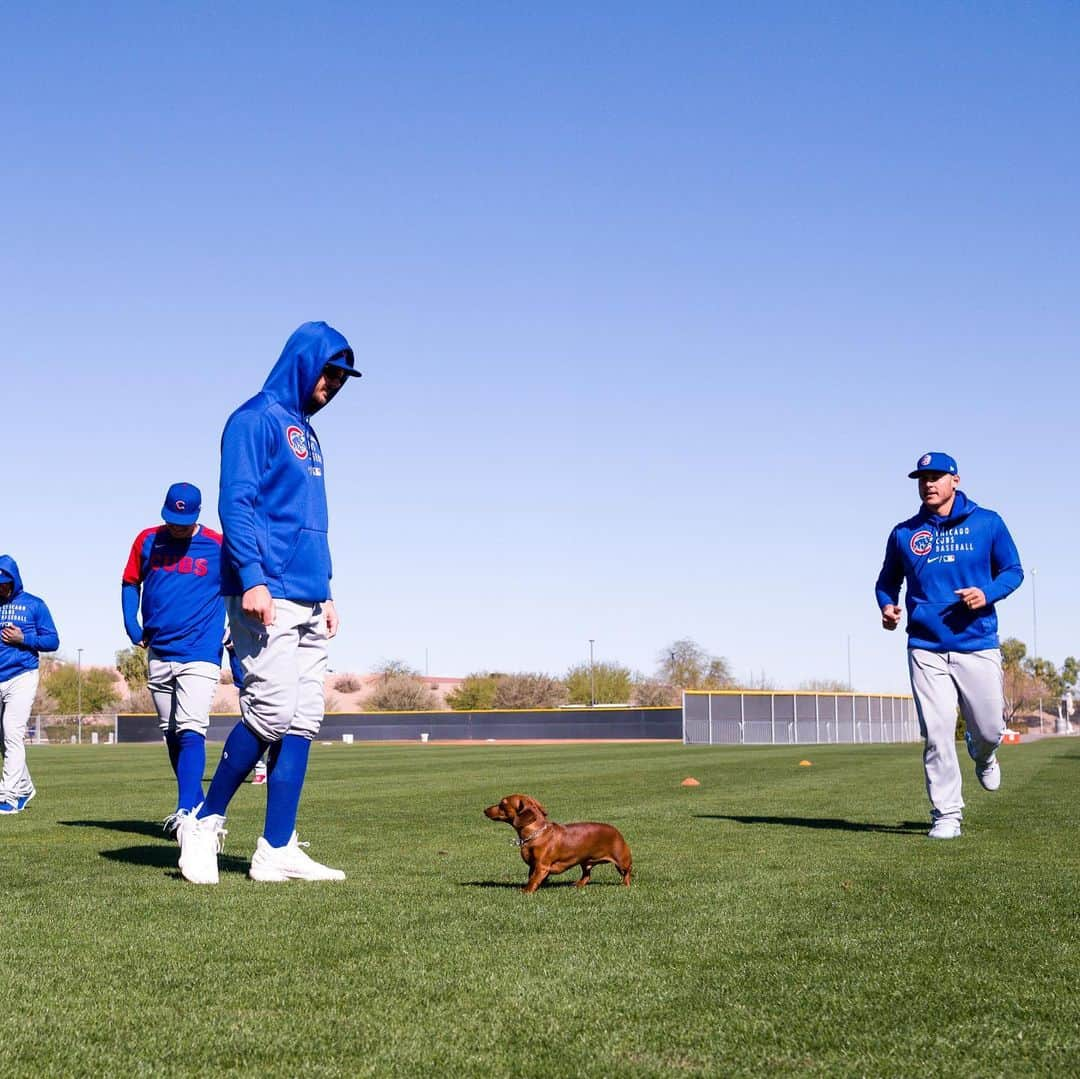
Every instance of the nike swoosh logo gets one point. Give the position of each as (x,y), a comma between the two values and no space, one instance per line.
(936,558)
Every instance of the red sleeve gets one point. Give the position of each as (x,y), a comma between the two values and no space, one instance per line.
(210,534)
(133,571)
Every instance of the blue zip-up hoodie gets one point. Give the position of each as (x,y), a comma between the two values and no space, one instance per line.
(971,548)
(272,499)
(31,615)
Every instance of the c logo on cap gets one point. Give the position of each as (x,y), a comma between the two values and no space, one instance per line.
(925,459)
(180,504)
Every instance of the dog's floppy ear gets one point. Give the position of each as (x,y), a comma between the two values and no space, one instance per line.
(534,804)
(527,815)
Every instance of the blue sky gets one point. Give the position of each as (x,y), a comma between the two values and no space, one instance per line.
(656,307)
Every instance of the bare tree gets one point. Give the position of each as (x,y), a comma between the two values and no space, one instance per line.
(824,685)
(686,665)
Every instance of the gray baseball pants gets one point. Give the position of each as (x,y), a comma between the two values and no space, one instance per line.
(941,681)
(183,693)
(16,703)
(284,666)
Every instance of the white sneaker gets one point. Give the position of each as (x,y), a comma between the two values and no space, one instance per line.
(288,863)
(945,828)
(201,841)
(989,774)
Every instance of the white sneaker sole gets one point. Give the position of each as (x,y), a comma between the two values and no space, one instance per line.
(272,875)
(197,877)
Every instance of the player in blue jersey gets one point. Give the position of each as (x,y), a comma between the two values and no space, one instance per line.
(958,561)
(26,628)
(174,575)
(276,580)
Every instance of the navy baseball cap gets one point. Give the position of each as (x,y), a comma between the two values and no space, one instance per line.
(182,504)
(343,361)
(933,462)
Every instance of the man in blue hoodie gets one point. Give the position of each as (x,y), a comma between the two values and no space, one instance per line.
(27,629)
(959,561)
(173,575)
(276,582)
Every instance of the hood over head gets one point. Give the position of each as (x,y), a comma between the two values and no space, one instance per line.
(310,348)
(10,571)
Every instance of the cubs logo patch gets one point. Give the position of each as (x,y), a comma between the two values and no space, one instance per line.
(922,542)
(924,460)
(297,441)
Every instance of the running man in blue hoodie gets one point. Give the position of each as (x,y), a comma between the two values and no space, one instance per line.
(959,561)
(27,629)
(276,582)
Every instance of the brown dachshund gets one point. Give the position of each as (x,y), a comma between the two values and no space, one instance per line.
(548,847)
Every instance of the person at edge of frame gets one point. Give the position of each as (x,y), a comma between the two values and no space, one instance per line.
(26,629)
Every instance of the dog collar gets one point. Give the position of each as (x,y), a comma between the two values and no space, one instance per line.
(522,842)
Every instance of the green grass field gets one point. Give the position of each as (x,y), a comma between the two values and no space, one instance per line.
(782,920)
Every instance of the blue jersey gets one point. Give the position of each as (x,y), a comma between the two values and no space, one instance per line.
(182,609)
(272,499)
(971,548)
(31,615)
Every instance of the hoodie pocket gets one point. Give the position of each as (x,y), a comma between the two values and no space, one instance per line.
(309,560)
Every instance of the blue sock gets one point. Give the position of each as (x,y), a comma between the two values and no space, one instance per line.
(286,767)
(190,765)
(242,749)
(172,743)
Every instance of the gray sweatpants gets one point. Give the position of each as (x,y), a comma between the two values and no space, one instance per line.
(939,682)
(16,703)
(284,665)
(183,693)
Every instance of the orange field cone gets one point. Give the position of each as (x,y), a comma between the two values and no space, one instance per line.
(690,781)
(806,764)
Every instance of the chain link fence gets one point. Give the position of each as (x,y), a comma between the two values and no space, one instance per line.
(49,729)
(762,717)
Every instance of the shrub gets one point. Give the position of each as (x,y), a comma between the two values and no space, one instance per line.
(401,693)
(133,664)
(347,683)
(529,690)
(475,694)
(96,689)
(648,693)
(613,683)
(140,700)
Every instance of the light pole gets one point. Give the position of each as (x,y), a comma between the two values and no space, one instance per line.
(592,675)
(78,690)
(850,685)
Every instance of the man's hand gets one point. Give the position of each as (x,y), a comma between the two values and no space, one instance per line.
(258,605)
(972,598)
(890,616)
(332,620)
(11,634)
